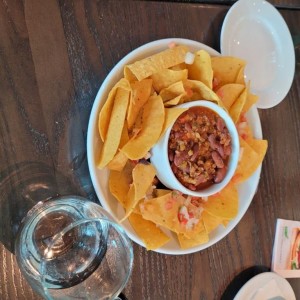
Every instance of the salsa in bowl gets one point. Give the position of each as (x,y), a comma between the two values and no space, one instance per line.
(199,152)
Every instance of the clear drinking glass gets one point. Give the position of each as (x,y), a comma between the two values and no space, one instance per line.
(70,248)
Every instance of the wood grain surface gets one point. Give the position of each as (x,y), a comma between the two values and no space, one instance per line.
(54,56)
(288,4)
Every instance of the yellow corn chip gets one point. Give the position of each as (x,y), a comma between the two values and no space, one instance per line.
(140,94)
(260,147)
(240,77)
(167,77)
(201,69)
(251,99)
(115,127)
(153,64)
(142,176)
(229,93)
(171,114)
(138,146)
(151,235)
(120,159)
(161,192)
(164,211)
(237,107)
(224,204)
(199,236)
(119,183)
(197,90)
(254,149)
(172,91)
(226,69)
(179,67)
(105,113)
(210,222)
(174,101)
(118,162)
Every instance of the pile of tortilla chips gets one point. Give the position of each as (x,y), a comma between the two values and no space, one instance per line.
(138,110)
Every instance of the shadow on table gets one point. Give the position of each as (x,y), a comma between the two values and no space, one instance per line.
(21,187)
(241,279)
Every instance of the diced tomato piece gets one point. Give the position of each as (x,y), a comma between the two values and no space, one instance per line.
(182,219)
(191,215)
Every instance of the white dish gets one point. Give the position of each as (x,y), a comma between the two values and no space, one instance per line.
(160,158)
(100,177)
(261,283)
(255,31)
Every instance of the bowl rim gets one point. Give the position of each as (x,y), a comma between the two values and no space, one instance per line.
(166,168)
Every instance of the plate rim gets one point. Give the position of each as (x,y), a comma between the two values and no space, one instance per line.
(259,278)
(226,27)
(155,46)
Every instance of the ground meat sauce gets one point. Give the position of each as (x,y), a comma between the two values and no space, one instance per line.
(199,148)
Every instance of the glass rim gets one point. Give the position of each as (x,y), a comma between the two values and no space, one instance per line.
(41,204)
(74,225)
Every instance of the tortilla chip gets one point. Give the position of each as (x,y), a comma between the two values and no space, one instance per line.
(199,91)
(171,115)
(201,69)
(167,77)
(115,127)
(163,211)
(140,94)
(210,222)
(224,204)
(142,176)
(137,126)
(249,159)
(260,147)
(161,192)
(241,77)
(152,236)
(199,236)
(229,93)
(120,159)
(226,69)
(118,162)
(251,99)
(138,146)
(243,128)
(237,107)
(119,183)
(174,101)
(153,64)
(172,91)
(179,67)
(105,113)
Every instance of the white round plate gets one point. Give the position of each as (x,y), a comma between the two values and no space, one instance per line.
(100,177)
(250,289)
(255,31)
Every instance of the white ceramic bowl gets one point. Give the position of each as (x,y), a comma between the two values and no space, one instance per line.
(100,177)
(160,160)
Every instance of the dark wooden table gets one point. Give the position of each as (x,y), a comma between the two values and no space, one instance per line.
(54,56)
